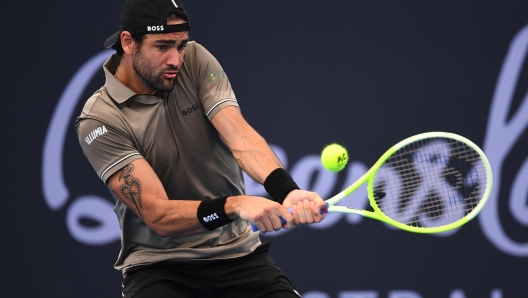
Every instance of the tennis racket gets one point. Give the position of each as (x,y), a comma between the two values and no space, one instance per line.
(428,183)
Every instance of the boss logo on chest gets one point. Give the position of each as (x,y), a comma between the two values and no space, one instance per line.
(189,110)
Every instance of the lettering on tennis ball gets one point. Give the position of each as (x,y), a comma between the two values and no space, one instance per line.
(334,157)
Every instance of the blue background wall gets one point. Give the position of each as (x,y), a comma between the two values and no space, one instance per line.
(307,73)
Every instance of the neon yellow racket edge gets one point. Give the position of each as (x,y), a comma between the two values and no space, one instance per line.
(428,183)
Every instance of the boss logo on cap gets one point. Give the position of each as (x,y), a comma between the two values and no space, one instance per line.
(155,28)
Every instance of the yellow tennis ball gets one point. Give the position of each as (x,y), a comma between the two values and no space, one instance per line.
(334,157)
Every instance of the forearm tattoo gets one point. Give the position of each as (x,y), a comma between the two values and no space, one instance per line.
(131,189)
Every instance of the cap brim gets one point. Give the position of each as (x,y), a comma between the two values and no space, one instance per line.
(112,39)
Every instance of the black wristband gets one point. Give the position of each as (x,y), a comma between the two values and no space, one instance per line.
(279,184)
(211,213)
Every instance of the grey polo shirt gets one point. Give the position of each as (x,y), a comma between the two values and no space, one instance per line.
(175,136)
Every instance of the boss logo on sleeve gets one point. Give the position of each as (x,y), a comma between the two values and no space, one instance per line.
(95,133)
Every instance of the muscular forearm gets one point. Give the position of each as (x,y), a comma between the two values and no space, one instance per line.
(173,218)
(177,218)
(250,150)
(139,188)
(255,157)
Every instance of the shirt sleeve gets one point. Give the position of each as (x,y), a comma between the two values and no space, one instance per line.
(107,148)
(214,88)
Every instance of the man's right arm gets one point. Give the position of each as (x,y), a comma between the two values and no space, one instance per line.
(138,186)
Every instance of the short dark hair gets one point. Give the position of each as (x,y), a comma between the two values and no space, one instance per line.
(139,38)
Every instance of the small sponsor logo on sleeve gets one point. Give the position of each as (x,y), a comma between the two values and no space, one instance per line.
(95,133)
(214,76)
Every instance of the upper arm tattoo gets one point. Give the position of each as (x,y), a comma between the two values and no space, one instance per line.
(131,189)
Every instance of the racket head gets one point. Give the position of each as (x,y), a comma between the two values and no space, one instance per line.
(430,183)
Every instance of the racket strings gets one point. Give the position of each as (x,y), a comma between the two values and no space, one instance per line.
(430,183)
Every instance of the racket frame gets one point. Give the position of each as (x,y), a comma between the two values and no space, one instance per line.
(371,174)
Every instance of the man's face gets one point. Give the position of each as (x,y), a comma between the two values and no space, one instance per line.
(157,60)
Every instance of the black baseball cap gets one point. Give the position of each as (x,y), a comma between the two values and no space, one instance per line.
(147,16)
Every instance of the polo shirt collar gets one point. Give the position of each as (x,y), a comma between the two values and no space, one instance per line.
(119,92)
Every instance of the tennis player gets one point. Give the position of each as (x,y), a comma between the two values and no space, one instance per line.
(166,135)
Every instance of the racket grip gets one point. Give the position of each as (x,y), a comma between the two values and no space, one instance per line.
(254,227)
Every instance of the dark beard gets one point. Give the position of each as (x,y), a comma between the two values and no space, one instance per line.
(146,73)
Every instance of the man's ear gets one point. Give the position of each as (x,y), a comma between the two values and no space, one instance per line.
(127,42)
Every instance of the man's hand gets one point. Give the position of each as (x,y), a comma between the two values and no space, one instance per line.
(306,206)
(263,213)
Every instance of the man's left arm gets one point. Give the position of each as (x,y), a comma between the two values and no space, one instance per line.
(256,158)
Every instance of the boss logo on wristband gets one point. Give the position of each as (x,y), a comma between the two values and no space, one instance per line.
(211,213)
(211,217)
